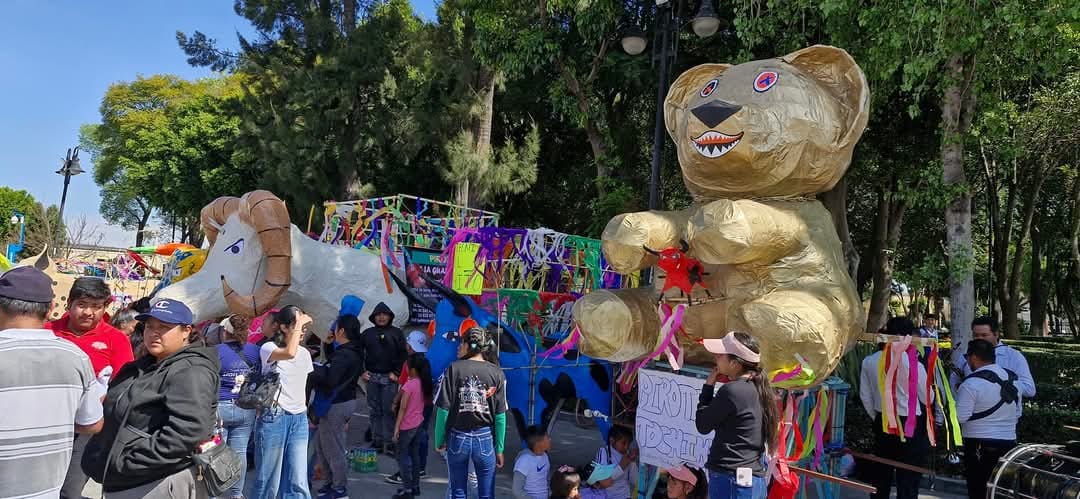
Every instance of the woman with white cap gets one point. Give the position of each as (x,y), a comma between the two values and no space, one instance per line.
(685,482)
(743,414)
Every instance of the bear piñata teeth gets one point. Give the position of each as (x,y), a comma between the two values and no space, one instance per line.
(712,144)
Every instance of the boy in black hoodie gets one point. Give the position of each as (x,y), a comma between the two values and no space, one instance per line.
(383,349)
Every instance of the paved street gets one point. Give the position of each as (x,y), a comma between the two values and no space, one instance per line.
(570,445)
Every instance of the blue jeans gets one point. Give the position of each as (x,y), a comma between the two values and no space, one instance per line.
(408,454)
(475,446)
(380,398)
(238,424)
(722,486)
(281,455)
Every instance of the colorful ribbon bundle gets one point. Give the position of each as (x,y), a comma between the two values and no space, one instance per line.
(903,352)
(799,375)
(541,259)
(412,221)
(670,324)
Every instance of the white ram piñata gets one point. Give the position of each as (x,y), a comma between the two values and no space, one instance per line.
(258,260)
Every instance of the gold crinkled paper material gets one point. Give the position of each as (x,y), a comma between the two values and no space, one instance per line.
(756,142)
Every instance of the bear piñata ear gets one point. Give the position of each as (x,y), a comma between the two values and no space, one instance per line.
(685,87)
(837,71)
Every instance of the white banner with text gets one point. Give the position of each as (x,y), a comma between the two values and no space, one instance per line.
(665,430)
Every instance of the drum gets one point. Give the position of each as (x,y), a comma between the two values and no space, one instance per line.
(1036,471)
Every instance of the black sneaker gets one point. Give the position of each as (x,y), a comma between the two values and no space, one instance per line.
(423,474)
(404,494)
(394,479)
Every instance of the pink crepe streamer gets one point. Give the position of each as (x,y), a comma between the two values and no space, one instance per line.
(559,351)
(668,345)
(913,391)
(788,375)
(819,431)
(889,407)
(460,236)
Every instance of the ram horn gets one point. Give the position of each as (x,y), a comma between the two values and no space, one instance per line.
(266,213)
(215,214)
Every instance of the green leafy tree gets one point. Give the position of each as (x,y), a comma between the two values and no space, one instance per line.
(42,227)
(169,144)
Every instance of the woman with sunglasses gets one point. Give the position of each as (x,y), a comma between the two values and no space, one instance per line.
(281,432)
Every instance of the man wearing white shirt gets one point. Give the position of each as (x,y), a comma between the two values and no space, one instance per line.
(988,407)
(1008,358)
(49,390)
(914,450)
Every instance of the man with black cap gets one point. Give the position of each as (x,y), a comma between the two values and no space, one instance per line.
(913,450)
(50,390)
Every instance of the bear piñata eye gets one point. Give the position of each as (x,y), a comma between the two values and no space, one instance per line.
(709,87)
(765,80)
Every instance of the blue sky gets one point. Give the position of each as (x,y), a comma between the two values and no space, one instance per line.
(57,57)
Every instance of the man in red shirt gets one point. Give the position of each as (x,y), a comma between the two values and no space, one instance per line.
(83,326)
(108,348)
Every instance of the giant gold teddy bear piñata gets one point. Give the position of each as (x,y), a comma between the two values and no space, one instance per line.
(756,142)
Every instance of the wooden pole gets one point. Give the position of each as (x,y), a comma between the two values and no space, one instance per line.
(862,487)
(890,462)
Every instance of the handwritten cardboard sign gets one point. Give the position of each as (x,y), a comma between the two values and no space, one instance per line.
(665,429)
(466,281)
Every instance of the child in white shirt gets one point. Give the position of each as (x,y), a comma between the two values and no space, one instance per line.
(532,467)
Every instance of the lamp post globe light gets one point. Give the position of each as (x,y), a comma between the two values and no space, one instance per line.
(671,16)
(68,168)
(13,249)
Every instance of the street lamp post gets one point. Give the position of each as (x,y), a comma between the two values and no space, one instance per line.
(69,168)
(13,249)
(705,23)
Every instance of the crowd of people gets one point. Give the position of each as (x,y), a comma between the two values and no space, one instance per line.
(989,384)
(131,402)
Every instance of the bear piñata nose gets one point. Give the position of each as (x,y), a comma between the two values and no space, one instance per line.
(715,112)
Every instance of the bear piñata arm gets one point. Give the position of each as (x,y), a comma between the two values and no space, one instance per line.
(744,231)
(626,237)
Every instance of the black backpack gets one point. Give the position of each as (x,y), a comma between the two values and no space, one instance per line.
(1009,393)
(260,390)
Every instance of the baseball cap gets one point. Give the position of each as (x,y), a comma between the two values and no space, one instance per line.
(26,284)
(169,312)
(731,346)
(418,341)
(683,474)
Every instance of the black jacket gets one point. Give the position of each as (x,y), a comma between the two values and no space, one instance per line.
(171,408)
(382,348)
(345,366)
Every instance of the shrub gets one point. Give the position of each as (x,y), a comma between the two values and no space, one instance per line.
(1049,339)
(1047,425)
(1055,365)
